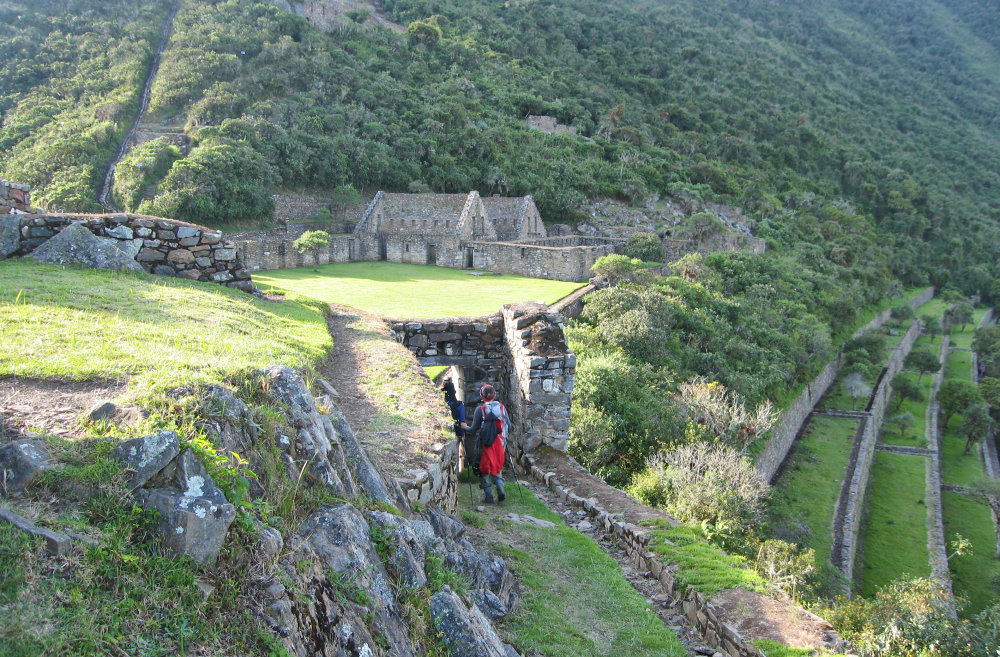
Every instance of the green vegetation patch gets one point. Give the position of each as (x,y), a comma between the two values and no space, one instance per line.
(957,467)
(124,597)
(916,434)
(775,649)
(397,290)
(895,529)
(575,600)
(702,565)
(959,365)
(974,576)
(75,323)
(804,497)
(963,339)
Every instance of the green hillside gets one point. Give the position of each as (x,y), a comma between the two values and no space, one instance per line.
(890,108)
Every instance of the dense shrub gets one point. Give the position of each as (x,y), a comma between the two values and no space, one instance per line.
(644,246)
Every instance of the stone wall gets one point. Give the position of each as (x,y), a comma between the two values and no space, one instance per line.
(164,247)
(548,124)
(14,197)
(783,435)
(521,350)
(634,540)
(856,483)
(436,484)
(550,262)
(675,249)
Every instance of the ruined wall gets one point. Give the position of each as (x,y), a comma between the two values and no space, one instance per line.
(857,483)
(675,249)
(548,124)
(522,351)
(553,263)
(14,197)
(783,434)
(165,247)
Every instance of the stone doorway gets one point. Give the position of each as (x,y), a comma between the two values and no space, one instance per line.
(468,257)
(431,254)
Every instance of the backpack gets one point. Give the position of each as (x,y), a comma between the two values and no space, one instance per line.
(492,426)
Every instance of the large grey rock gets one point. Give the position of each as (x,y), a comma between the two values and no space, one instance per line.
(467,632)
(194,517)
(147,455)
(483,571)
(10,235)
(445,524)
(406,553)
(338,540)
(365,472)
(488,603)
(315,440)
(20,462)
(76,243)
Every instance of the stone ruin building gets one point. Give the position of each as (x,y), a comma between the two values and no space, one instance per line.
(461,231)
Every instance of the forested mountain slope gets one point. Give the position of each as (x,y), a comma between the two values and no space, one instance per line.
(891,105)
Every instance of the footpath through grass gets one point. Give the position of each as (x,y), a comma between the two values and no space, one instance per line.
(396,290)
(68,322)
(895,528)
(576,602)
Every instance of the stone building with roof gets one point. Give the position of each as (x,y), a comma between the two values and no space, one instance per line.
(461,231)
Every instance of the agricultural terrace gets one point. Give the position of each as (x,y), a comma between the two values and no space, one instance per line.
(399,290)
(974,574)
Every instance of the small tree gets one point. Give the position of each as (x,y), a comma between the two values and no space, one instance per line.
(902,312)
(931,326)
(906,388)
(924,362)
(989,388)
(856,388)
(615,268)
(902,421)
(961,314)
(312,242)
(722,414)
(644,246)
(954,396)
(976,423)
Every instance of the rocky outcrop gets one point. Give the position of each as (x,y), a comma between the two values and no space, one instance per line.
(144,457)
(351,569)
(194,513)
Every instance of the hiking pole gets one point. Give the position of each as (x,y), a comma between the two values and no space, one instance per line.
(462,454)
(510,459)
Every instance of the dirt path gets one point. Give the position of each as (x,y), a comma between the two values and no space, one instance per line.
(104,196)
(383,392)
(34,406)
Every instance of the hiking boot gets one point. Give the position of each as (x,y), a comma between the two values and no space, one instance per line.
(500,496)
(488,498)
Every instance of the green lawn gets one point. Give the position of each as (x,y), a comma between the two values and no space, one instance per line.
(963,339)
(575,600)
(916,435)
(803,499)
(838,399)
(75,323)
(959,366)
(397,290)
(957,467)
(895,529)
(972,576)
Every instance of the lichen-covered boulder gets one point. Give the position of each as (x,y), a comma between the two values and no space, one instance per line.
(194,513)
(20,462)
(467,632)
(76,244)
(147,455)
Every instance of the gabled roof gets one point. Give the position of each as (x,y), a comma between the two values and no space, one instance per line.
(507,214)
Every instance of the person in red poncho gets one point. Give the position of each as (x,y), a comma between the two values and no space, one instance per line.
(490,425)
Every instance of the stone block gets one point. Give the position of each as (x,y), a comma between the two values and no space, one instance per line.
(221,277)
(203,262)
(188,241)
(147,455)
(444,337)
(180,257)
(190,274)
(120,232)
(20,462)
(166,235)
(56,543)
(187,232)
(164,270)
(40,232)
(211,238)
(10,235)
